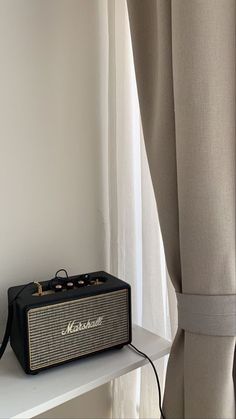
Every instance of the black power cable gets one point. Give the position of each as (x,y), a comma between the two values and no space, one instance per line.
(156,375)
(61,270)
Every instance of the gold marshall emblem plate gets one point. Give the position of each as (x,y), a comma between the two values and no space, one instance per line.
(73,327)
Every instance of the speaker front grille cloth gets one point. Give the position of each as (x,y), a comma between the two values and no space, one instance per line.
(108,314)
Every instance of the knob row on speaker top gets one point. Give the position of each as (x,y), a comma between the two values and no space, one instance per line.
(59,284)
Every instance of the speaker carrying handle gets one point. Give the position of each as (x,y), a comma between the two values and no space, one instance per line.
(9,321)
(7,331)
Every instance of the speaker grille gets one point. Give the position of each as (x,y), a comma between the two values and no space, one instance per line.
(63,331)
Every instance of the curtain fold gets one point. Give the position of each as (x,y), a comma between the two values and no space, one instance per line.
(184,54)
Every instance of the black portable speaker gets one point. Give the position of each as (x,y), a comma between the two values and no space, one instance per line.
(57,322)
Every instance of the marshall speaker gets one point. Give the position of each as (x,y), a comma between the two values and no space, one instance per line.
(64,319)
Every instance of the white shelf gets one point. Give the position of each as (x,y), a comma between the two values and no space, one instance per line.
(25,396)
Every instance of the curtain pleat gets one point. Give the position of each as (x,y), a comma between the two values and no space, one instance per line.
(184,53)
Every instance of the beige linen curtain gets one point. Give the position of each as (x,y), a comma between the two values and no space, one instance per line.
(184,53)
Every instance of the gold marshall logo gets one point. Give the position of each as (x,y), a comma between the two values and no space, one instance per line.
(74,327)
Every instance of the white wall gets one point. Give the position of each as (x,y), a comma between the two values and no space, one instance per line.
(95,404)
(50,130)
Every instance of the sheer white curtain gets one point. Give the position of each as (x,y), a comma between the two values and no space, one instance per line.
(134,249)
